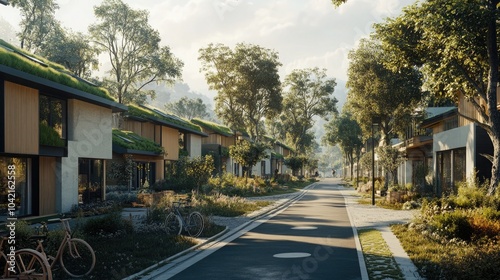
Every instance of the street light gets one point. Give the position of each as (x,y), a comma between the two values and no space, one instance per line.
(375,122)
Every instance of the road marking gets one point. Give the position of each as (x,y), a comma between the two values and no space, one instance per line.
(292,255)
(304,228)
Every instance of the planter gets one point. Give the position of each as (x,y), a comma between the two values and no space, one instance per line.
(396,196)
(149,199)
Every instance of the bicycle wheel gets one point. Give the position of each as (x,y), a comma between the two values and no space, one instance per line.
(173,224)
(78,258)
(29,264)
(195,224)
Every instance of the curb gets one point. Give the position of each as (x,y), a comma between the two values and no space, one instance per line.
(284,204)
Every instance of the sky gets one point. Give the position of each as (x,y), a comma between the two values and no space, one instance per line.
(305,33)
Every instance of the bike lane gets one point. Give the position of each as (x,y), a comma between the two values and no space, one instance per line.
(311,239)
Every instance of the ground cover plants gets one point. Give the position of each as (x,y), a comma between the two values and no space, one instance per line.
(457,236)
(380,263)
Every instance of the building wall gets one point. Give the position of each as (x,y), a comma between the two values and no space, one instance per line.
(90,126)
(170,142)
(457,138)
(48,184)
(21,117)
(89,136)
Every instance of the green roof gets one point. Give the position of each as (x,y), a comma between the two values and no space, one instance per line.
(150,113)
(23,61)
(218,128)
(133,142)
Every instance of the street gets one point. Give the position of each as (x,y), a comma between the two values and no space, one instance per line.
(311,239)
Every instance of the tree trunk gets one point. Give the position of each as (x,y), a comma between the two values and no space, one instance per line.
(492,95)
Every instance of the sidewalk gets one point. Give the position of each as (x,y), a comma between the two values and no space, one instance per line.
(367,216)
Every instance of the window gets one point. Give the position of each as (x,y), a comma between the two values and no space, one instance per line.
(23,191)
(451,166)
(145,172)
(52,121)
(90,180)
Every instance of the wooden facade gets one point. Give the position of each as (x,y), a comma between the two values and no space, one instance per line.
(21,119)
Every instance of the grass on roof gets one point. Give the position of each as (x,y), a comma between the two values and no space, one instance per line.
(53,72)
(142,112)
(137,142)
(221,129)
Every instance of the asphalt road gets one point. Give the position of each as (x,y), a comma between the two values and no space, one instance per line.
(311,239)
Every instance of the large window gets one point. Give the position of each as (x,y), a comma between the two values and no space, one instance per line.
(450,170)
(52,121)
(22,181)
(145,172)
(90,180)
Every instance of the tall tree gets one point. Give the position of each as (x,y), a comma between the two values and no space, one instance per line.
(346,132)
(74,51)
(37,22)
(388,96)
(247,83)
(134,51)
(188,108)
(308,95)
(455,43)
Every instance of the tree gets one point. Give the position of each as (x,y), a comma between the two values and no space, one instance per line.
(295,163)
(377,92)
(455,43)
(308,95)
(134,51)
(37,22)
(72,50)
(390,159)
(248,153)
(247,83)
(200,169)
(345,132)
(188,108)
(338,2)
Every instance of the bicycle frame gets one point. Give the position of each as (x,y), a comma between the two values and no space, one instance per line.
(67,236)
(176,206)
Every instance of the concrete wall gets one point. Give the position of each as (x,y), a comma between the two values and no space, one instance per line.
(89,136)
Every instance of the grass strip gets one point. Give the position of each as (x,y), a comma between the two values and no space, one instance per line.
(378,257)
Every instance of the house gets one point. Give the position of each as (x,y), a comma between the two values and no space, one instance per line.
(458,148)
(447,149)
(217,144)
(274,162)
(154,141)
(55,132)
(417,149)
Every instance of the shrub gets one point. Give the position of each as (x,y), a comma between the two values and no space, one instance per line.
(109,225)
(453,225)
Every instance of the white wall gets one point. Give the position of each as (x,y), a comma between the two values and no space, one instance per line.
(90,126)
(457,138)
(89,136)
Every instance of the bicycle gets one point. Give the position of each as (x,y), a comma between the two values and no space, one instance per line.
(76,257)
(23,264)
(176,222)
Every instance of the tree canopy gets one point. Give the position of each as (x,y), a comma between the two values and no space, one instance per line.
(345,132)
(134,51)
(247,83)
(188,108)
(308,95)
(38,22)
(378,93)
(455,44)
